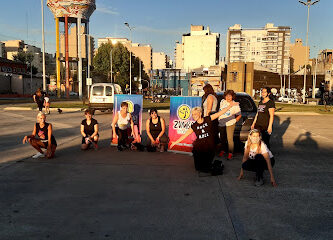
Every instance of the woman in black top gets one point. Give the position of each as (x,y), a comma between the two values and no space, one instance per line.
(204,146)
(42,137)
(155,127)
(39,99)
(89,131)
(265,116)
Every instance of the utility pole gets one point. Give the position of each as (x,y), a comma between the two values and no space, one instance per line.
(130,50)
(308,4)
(111,64)
(43,41)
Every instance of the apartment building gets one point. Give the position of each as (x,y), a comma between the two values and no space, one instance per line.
(160,60)
(13,47)
(199,48)
(299,55)
(3,52)
(269,46)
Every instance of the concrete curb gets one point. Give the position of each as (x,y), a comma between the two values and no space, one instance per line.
(298,113)
(32,109)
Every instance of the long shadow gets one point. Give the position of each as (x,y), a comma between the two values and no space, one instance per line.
(280,130)
(305,141)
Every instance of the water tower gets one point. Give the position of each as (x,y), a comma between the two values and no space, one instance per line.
(72,12)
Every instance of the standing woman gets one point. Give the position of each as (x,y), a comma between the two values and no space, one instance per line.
(155,127)
(265,116)
(257,158)
(42,137)
(227,123)
(89,131)
(121,121)
(204,146)
(38,98)
(209,100)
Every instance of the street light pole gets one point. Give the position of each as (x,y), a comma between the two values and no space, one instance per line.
(130,50)
(111,64)
(43,41)
(308,4)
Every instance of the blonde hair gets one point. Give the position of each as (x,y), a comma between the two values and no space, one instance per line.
(41,114)
(198,109)
(249,142)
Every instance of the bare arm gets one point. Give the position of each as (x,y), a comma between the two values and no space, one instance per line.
(115,120)
(216,115)
(271,120)
(238,117)
(188,132)
(245,157)
(163,128)
(210,101)
(148,132)
(82,131)
(49,130)
(254,121)
(270,169)
(33,134)
(132,125)
(95,131)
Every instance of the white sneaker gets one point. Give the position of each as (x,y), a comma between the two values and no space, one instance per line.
(38,155)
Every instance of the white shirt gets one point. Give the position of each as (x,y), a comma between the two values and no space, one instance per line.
(264,149)
(123,123)
(229,117)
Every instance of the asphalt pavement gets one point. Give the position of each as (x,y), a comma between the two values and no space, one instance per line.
(107,194)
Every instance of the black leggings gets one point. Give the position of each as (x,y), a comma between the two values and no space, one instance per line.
(265,137)
(257,165)
(203,160)
(122,136)
(40,105)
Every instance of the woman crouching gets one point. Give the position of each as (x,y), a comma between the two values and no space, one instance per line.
(42,137)
(204,146)
(257,158)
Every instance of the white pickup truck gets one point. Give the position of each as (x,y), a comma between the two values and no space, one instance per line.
(102,96)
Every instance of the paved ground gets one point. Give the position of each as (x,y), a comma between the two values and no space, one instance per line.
(131,195)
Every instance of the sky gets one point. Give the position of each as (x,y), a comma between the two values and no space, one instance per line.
(162,23)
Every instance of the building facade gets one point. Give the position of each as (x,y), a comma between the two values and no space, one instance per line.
(160,60)
(13,47)
(269,46)
(199,48)
(3,52)
(299,55)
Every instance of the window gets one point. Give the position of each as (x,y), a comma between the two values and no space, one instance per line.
(108,91)
(98,91)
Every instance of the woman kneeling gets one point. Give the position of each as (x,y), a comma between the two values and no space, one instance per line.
(257,158)
(42,137)
(89,131)
(155,127)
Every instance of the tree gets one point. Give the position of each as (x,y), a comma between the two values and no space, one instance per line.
(27,58)
(120,64)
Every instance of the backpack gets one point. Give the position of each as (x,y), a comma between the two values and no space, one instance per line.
(217,168)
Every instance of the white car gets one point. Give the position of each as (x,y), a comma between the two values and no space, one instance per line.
(286,99)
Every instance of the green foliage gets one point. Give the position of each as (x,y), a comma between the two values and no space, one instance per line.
(27,58)
(120,65)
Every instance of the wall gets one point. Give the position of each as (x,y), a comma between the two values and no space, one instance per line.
(4,84)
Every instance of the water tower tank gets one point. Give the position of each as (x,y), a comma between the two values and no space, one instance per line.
(72,8)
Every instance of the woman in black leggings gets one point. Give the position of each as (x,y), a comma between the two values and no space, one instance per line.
(155,127)
(257,158)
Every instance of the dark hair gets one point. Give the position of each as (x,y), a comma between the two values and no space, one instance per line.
(152,110)
(88,111)
(230,92)
(124,104)
(268,89)
(208,90)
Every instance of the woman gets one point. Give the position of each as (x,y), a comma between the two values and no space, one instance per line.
(89,131)
(120,124)
(209,100)
(47,103)
(38,98)
(204,146)
(265,116)
(42,137)
(257,158)
(155,127)
(227,123)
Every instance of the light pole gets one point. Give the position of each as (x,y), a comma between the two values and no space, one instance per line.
(308,4)
(314,77)
(111,64)
(130,50)
(43,41)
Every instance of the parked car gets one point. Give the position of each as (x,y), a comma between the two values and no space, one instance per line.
(102,96)
(248,111)
(286,99)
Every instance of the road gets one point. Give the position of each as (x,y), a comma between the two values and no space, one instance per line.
(107,194)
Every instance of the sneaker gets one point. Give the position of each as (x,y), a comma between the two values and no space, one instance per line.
(259,181)
(119,148)
(221,154)
(229,156)
(38,155)
(162,148)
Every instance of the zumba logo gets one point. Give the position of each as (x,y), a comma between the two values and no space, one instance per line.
(184,112)
(130,108)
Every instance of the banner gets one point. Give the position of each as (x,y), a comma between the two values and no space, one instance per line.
(135,106)
(181,120)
